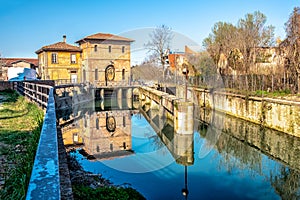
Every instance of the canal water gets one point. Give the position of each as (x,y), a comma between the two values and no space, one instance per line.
(135,144)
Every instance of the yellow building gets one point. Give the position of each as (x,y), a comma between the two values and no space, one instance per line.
(60,61)
(105,59)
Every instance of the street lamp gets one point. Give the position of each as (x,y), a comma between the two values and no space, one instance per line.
(185,71)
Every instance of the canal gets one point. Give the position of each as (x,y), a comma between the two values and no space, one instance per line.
(135,143)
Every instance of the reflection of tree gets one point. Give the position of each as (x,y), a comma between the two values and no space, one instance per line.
(238,154)
(287,183)
(157,141)
(242,146)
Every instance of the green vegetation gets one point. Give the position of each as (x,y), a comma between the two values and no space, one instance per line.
(272,94)
(20,127)
(261,93)
(106,193)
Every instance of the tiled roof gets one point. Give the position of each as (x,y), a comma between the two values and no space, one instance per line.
(59,46)
(105,36)
(9,61)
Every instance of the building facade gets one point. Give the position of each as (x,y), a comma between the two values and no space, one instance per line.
(12,67)
(60,61)
(105,59)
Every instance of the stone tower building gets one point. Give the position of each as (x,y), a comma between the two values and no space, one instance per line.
(105,59)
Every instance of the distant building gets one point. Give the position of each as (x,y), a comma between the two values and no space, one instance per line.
(60,61)
(105,59)
(266,60)
(13,67)
(180,60)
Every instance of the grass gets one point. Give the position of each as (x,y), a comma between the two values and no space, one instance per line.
(20,126)
(264,93)
(280,93)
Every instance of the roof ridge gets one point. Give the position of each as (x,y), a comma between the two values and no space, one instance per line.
(105,36)
(59,46)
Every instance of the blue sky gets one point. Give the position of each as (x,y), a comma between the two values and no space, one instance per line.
(26,26)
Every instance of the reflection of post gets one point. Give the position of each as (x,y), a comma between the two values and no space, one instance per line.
(119,97)
(184,190)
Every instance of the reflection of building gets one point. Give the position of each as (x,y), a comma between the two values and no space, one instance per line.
(10,67)
(105,59)
(107,134)
(71,134)
(59,61)
(104,134)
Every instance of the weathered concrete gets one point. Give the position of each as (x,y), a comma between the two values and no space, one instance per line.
(161,98)
(181,109)
(44,181)
(281,115)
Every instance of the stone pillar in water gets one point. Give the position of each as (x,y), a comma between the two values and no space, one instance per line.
(183,117)
(129,98)
(184,129)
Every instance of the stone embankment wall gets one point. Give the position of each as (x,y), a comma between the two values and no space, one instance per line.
(281,115)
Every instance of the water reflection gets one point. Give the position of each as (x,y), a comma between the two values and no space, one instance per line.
(180,145)
(102,130)
(245,146)
(238,159)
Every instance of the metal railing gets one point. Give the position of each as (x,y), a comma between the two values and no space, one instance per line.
(35,92)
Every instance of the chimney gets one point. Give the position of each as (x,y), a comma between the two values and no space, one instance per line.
(64,38)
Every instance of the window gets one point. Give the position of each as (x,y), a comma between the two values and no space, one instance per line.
(109,49)
(41,59)
(96,74)
(85,123)
(54,58)
(123,74)
(95,48)
(75,137)
(97,123)
(84,75)
(73,58)
(123,49)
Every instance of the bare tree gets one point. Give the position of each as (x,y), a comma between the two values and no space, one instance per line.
(253,33)
(159,43)
(292,47)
